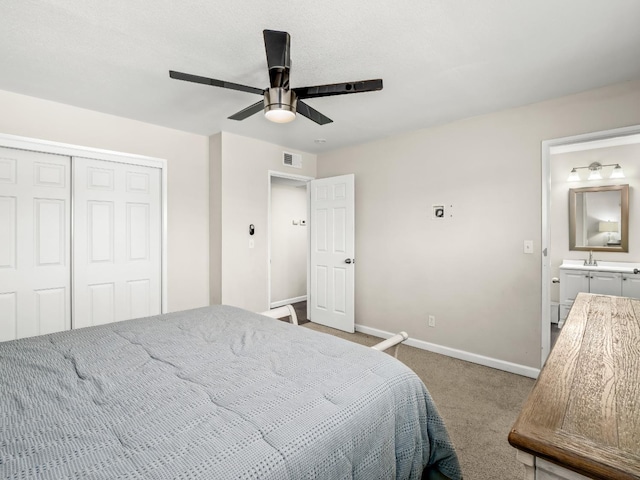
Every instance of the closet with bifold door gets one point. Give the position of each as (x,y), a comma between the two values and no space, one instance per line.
(80,240)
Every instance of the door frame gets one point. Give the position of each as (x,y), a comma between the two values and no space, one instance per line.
(290,176)
(555,146)
(70,150)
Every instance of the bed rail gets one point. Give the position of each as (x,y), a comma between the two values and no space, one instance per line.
(289,311)
(394,341)
(281,312)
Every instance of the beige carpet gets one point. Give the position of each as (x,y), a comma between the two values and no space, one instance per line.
(479,405)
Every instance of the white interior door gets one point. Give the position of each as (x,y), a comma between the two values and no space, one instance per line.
(117,241)
(332,260)
(35,271)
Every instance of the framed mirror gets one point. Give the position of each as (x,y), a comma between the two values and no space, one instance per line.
(599,218)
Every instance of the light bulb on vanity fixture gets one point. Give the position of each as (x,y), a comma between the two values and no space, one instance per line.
(595,172)
(573,176)
(617,172)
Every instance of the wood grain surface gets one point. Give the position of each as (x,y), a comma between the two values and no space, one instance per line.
(584,410)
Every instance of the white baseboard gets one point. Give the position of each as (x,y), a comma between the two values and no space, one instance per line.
(282,303)
(459,354)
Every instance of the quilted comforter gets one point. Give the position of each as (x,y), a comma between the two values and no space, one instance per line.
(212,393)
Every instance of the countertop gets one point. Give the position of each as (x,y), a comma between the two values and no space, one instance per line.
(602,266)
(584,410)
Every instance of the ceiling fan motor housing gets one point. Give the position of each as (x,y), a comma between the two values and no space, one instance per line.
(280,99)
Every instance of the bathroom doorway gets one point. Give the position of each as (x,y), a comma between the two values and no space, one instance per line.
(559,158)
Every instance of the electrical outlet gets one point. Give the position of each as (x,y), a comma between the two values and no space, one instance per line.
(432,320)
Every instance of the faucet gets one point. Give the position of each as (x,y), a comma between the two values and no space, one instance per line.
(592,261)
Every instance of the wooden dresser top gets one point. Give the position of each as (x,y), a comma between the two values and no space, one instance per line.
(584,410)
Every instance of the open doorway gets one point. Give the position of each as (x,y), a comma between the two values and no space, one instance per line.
(559,157)
(288,243)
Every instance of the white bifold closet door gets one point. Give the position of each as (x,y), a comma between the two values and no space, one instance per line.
(35,198)
(117,242)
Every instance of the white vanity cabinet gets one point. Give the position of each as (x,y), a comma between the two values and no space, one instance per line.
(631,285)
(605,283)
(606,278)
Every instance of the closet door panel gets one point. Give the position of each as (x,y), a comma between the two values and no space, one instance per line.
(8,232)
(35,244)
(117,233)
(51,310)
(8,316)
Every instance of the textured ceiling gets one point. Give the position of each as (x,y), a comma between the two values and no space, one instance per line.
(440,60)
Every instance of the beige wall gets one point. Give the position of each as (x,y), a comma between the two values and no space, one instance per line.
(470,270)
(215,219)
(187,160)
(245,179)
(628,156)
(288,242)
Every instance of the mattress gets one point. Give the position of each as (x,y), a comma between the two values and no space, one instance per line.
(212,393)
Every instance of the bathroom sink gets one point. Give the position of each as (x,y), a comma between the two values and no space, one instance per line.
(624,267)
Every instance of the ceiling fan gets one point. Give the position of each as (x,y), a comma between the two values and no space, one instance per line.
(280,103)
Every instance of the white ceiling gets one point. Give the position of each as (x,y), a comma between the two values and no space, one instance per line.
(440,60)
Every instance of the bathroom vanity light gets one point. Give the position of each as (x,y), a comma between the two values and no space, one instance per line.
(595,172)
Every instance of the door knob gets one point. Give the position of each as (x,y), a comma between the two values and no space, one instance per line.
(348,260)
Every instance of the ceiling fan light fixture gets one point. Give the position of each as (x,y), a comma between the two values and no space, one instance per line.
(279,115)
(280,105)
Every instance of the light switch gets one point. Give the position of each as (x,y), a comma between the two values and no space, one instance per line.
(251,243)
(528,246)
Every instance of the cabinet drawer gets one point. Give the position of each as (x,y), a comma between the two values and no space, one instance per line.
(605,283)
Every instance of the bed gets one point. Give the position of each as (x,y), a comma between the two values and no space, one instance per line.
(213,393)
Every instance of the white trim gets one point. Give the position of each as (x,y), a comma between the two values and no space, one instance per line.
(291,176)
(281,303)
(46,146)
(69,150)
(459,354)
(558,145)
(595,144)
(309,232)
(165,236)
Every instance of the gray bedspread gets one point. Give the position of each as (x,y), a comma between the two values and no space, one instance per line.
(212,393)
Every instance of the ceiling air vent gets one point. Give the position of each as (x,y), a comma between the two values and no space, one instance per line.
(292,159)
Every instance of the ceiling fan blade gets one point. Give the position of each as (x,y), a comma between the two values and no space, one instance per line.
(216,83)
(278,48)
(247,112)
(312,114)
(277,45)
(339,89)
